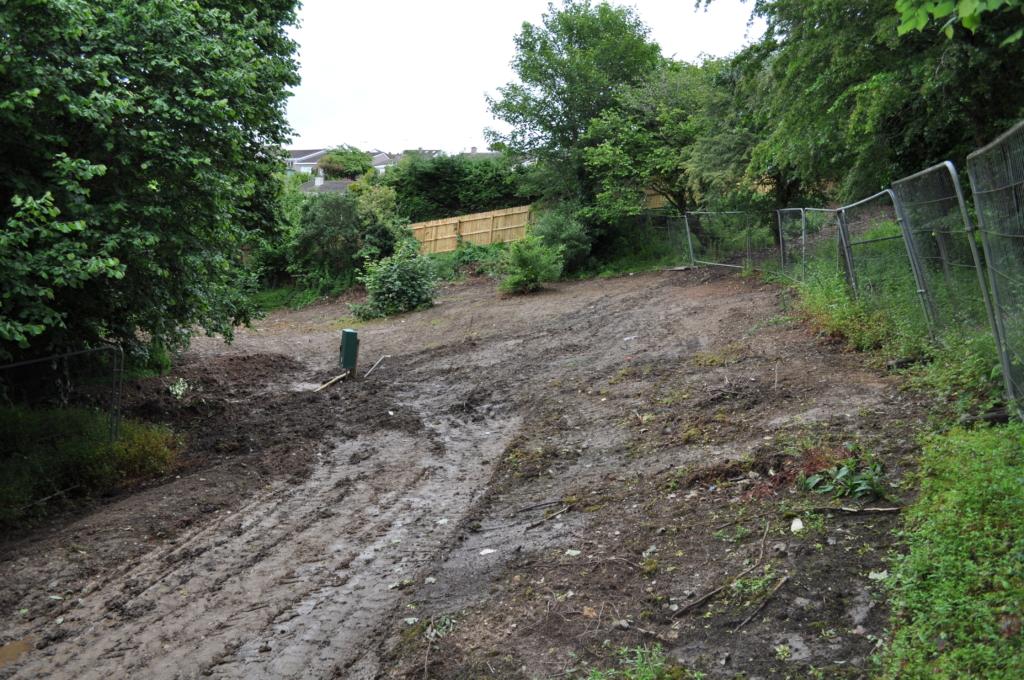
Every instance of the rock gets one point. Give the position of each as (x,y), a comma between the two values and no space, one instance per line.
(621,624)
(779,549)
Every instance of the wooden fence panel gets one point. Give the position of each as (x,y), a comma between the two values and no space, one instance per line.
(496,226)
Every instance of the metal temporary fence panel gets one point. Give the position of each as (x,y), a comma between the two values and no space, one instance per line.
(730,238)
(879,262)
(793,242)
(932,208)
(997,181)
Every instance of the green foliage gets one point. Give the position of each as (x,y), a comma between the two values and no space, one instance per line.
(284,297)
(561,228)
(345,162)
(272,249)
(40,258)
(958,592)
(568,68)
(644,663)
(844,100)
(155,129)
(857,477)
(962,372)
(469,258)
(339,233)
(528,264)
(445,186)
(402,282)
(915,15)
(53,455)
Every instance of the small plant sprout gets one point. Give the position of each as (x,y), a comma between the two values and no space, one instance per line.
(178,388)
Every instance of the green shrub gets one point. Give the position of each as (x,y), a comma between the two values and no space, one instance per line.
(561,228)
(528,264)
(52,455)
(471,258)
(400,283)
(958,593)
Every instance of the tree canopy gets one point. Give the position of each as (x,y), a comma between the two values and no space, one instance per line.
(569,68)
(345,162)
(138,146)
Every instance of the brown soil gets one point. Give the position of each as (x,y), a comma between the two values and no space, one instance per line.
(523,488)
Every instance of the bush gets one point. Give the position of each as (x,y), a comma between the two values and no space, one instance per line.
(561,228)
(339,233)
(469,258)
(958,594)
(529,263)
(52,455)
(400,283)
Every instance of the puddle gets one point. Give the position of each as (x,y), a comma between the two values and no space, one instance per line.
(13,651)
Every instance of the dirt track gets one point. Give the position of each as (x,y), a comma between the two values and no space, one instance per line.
(384,527)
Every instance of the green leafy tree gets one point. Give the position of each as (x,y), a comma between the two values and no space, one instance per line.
(402,282)
(569,68)
(154,128)
(345,162)
(845,101)
(915,15)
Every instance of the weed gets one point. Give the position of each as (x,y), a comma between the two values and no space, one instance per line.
(783,652)
(754,586)
(644,663)
(856,477)
(738,534)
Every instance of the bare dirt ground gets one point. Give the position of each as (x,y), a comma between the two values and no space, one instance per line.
(525,487)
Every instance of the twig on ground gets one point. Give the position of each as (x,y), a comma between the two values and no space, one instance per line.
(549,517)
(46,498)
(535,506)
(333,380)
(707,596)
(761,606)
(386,356)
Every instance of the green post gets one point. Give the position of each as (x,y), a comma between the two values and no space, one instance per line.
(349,350)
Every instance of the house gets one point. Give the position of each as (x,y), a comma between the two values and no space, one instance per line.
(304,160)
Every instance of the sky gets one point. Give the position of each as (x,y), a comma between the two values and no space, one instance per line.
(409,74)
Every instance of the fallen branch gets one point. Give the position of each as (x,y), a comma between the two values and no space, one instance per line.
(549,517)
(386,356)
(62,492)
(847,509)
(707,596)
(761,606)
(333,380)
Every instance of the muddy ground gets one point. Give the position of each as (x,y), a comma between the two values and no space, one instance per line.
(525,487)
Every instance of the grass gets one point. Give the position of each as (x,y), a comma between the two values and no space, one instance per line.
(52,456)
(284,297)
(644,663)
(958,593)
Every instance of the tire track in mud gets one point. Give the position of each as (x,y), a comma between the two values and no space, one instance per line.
(297,581)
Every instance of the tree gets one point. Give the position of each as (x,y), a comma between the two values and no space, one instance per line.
(148,131)
(345,162)
(847,102)
(645,140)
(569,68)
(915,15)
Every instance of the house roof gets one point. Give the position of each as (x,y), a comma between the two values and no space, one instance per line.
(307,155)
(333,185)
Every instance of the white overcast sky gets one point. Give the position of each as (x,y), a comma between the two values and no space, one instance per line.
(407,74)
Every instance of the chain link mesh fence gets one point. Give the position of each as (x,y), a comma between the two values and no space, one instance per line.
(731,238)
(879,265)
(997,180)
(58,408)
(939,233)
